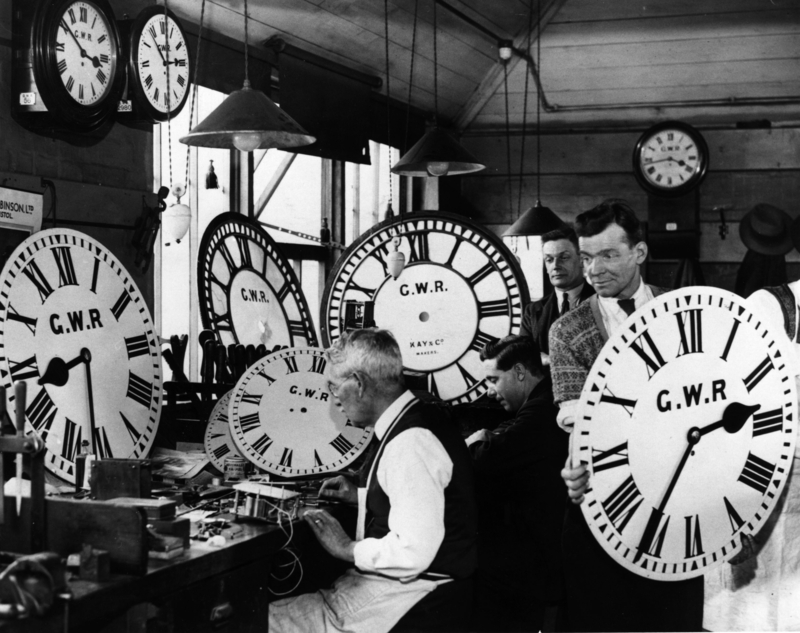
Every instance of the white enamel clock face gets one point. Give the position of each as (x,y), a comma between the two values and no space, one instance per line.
(687,422)
(63,295)
(459,290)
(86,53)
(158,40)
(284,420)
(218,441)
(249,293)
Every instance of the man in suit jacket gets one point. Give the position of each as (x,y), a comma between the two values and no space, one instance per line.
(601,595)
(563,265)
(521,498)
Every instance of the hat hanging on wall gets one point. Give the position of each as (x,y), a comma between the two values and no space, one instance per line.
(767,230)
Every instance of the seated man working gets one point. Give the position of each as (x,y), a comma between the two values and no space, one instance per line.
(521,498)
(415,550)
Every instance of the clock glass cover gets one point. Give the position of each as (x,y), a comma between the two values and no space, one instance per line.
(460,289)
(74,326)
(670,159)
(687,424)
(285,421)
(249,293)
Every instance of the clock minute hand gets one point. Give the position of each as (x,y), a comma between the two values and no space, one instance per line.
(95,61)
(158,49)
(86,356)
(733,419)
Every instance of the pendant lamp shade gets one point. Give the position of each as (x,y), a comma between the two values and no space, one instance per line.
(537,220)
(248,120)
(437,154)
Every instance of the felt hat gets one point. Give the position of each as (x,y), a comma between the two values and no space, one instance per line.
(767,230)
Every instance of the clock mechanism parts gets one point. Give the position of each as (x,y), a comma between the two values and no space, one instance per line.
(75,327)
(461,288)
(285,421)
(248,291)
(687,423)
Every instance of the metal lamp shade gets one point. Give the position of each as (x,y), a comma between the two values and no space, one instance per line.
(251,114)
(537,220)
(437,154)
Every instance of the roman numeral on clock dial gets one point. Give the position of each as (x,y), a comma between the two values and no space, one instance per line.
(621,504)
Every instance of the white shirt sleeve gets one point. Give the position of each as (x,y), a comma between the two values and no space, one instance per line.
(567,411)
(413,471)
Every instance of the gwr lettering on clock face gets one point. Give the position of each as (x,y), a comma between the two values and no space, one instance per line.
(687,424)
(450,265)
(68,307)
(161,51)
(285,420)
(248,292)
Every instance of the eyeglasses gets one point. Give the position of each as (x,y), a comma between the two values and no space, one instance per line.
(334,388)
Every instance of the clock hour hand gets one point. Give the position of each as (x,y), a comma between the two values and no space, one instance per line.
(57,372)
(733,418)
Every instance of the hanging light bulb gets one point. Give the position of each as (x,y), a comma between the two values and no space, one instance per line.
(246,141)
(438,167)
(176,219)
(396,260)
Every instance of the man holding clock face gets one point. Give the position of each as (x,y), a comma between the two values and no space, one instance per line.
(601,595)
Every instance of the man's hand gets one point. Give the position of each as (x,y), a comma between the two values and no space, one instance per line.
(330,534)
(339,488)
(577,480)
(478,436)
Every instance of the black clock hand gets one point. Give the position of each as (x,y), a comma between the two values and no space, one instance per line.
(95,61)
(87,359)
(158,49)
(57,372)
(733,419)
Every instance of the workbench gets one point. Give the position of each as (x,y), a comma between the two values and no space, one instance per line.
(205,589)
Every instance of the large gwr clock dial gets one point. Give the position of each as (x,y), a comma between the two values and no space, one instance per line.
(687,422)
(76,328)
(285,421)
(249,293)
(461,288)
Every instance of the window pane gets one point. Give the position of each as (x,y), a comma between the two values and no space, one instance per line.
(296,204)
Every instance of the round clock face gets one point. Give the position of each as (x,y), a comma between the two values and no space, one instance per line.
(285,421)
(670,159)
(75,52)
(687,423)
(218,441)
(460,289)
(74,326)
(160,62)
(249,293)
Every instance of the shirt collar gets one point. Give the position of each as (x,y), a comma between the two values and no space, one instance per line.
(392,411)
(639,298)
(573,294)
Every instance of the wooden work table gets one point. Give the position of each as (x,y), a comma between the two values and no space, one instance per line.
(205,589)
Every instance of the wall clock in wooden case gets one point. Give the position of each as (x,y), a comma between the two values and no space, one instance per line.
(670,159)
(159,65)
(68,69)
(687,422)
(74,326)
(460,289)
(248,291)
(285,421)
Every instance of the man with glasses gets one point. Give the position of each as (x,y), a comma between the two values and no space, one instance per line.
(415,546)
(601,595)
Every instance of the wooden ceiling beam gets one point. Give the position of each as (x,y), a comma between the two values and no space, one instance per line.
(494,78)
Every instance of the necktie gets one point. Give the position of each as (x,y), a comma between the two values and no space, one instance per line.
(565,304)
(627,305)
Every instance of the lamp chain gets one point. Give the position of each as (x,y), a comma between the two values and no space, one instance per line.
(411,74)
(538,98)
(246,75)
(388,94)
(169,110)
(435,70)
(508,141)
(525,112)
(194,85)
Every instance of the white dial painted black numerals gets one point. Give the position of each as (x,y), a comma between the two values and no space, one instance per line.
(71,321)
(461,288)
(687,423)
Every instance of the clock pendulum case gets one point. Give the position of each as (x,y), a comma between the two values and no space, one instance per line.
(285,421)
(670,161)
(687,423)
(68,71)
(75,327)
(248,291)
(460,289)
